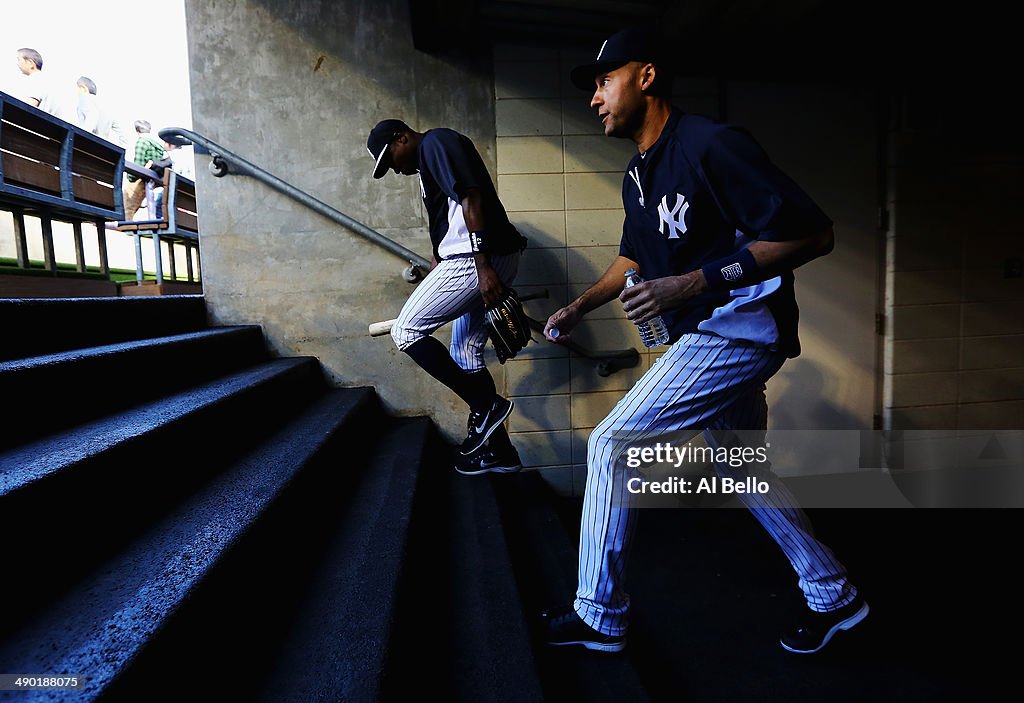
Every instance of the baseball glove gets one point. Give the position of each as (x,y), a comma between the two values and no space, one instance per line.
(507,326)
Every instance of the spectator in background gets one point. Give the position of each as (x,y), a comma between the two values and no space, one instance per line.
(147,152)
(178,162)
(181,160)
(37,90)
(92,115)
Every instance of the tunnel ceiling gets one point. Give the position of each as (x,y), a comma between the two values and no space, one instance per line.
(784,38)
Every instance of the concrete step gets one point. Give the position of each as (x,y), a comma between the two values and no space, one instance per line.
(305,610)
(493,655)
(545,556)
(102,624)
(461,631)
(49,392)
(34,326)
(85,491)
(345,626)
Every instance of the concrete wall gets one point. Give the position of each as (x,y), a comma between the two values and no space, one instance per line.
(955,313)
(561,179)
(296,87)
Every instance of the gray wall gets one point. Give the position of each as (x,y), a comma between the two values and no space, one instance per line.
(295,87)
(561,179)
(955,320)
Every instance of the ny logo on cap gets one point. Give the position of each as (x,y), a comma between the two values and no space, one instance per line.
(601,50)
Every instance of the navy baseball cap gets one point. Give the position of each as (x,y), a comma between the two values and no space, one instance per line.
(629,44)
(379,144)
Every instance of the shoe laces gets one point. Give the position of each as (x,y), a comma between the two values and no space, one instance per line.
(475,419)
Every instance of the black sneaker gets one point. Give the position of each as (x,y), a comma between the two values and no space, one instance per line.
(814,631)
(563,627)
(505,461)
(481,425)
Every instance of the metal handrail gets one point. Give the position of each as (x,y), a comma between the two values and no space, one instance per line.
(224,162)
(608,362)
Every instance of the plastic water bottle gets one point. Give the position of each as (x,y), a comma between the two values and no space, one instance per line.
(653,333)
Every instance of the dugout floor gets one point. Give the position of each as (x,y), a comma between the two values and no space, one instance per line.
(711,592)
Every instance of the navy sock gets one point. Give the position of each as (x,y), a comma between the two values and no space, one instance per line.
(476,388)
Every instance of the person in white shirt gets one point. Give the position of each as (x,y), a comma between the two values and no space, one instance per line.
(93,116)
(37,90)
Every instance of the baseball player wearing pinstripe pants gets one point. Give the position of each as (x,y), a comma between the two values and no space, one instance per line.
(476,255)
(716,229)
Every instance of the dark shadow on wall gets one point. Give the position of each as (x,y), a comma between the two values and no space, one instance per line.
(805,396)
(372,42)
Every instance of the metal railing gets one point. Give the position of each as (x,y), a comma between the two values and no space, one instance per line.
(224,162)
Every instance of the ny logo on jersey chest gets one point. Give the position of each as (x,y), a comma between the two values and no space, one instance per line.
(674,217)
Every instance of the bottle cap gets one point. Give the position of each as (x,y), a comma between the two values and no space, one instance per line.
(630,272)
(553,333)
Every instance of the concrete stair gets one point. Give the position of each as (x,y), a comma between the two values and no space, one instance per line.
(184,517)
(183,508)
(543,541)
(466,634)
(34,326)
(155,367)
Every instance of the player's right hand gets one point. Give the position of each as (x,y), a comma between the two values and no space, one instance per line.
(563,321)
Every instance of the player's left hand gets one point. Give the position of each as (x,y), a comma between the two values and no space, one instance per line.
(491,287)
(652,298)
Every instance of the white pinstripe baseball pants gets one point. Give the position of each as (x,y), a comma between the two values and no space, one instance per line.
(702,383)
(452,292)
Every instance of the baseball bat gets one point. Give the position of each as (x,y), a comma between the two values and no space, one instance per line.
(379,329)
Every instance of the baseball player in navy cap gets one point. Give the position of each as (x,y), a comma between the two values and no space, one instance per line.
(476,254)
(716,229)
